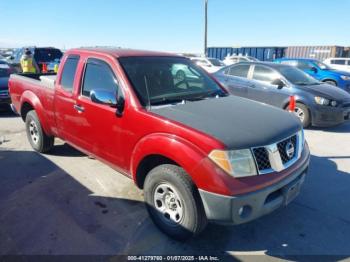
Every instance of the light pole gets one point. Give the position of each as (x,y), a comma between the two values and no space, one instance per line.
(205,26)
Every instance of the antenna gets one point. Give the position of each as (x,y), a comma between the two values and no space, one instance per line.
(147,91)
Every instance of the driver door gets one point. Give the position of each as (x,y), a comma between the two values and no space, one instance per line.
(99,127)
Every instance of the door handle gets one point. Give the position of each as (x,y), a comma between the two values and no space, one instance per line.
(80,109)
(253,86)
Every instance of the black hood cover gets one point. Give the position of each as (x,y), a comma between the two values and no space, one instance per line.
(236,122)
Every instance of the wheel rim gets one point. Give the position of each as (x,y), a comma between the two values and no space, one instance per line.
(300,114)
(168,203)
(34,133)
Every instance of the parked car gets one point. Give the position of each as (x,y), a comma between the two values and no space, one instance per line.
(210,65)
(317,103)
(186,143)
(5,71)
(42,55)
(338,63)
(320,71)
(230,60)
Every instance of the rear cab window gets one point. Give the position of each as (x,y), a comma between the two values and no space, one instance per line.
(68,73)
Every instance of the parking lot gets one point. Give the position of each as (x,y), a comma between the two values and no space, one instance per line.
(67,203)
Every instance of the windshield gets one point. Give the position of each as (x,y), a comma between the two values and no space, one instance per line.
(216,62)
(322,66)
(296,76)
(45,55)
(168,80)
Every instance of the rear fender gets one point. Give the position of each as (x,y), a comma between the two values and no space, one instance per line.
(32,99)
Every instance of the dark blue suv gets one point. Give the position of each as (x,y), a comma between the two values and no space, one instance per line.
(320,71)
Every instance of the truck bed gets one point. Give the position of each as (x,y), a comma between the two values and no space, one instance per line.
(34,87)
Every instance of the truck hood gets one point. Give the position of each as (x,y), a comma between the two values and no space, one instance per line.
(237,122)
(4,83)
(327,91)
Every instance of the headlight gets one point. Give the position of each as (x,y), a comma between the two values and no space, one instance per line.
(322,101)
(346,78)
(237,163)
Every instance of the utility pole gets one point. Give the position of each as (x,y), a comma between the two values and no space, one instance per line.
(205,26)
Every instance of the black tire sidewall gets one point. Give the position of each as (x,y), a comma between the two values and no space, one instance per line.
(32,116)
(187,227)
(307,121)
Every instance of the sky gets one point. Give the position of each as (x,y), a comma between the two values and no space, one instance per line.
(173,25)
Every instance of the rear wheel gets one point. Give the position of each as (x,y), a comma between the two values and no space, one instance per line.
(173,202)
(302,112)
(39,141)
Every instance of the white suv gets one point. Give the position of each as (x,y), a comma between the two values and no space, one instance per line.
(230,60)
(339,63)
(211,65)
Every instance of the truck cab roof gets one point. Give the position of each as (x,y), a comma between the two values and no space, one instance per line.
(119,52)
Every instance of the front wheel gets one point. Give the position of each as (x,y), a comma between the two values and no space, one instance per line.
(39,141)
(302,112)
(173,202)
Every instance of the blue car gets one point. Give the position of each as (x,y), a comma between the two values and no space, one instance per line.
(320,71)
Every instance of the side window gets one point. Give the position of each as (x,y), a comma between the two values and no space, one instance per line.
(239,70)
(264,74)
(98,75)
(68,73)
(289,62)
(338,62)
(305,65)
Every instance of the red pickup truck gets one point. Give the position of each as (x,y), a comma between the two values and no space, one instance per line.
(198,153)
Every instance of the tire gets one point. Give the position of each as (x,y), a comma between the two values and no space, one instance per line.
(173,202)
(39,141)
(331,82)
(303,113)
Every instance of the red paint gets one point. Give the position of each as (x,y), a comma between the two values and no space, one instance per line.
(123,142)
(292,103)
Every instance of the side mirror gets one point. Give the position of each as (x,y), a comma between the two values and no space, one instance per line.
(109,98)
(279,83)
(104,97)
(11,57)
(314,69)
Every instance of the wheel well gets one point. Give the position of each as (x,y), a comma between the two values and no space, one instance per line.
(147,164)
(329,80)
(26,107)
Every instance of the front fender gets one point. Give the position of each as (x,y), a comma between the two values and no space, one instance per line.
(32,99)
(179,150)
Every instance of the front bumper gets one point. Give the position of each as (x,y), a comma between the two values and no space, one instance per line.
(247,207)
(329,116)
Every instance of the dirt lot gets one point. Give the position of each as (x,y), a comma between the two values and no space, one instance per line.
(66,203)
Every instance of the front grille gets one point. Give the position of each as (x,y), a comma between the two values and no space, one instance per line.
(347,104)
(283,151)
(282,155)
(262,158)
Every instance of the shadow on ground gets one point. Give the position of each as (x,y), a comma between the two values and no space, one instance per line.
(44,210)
